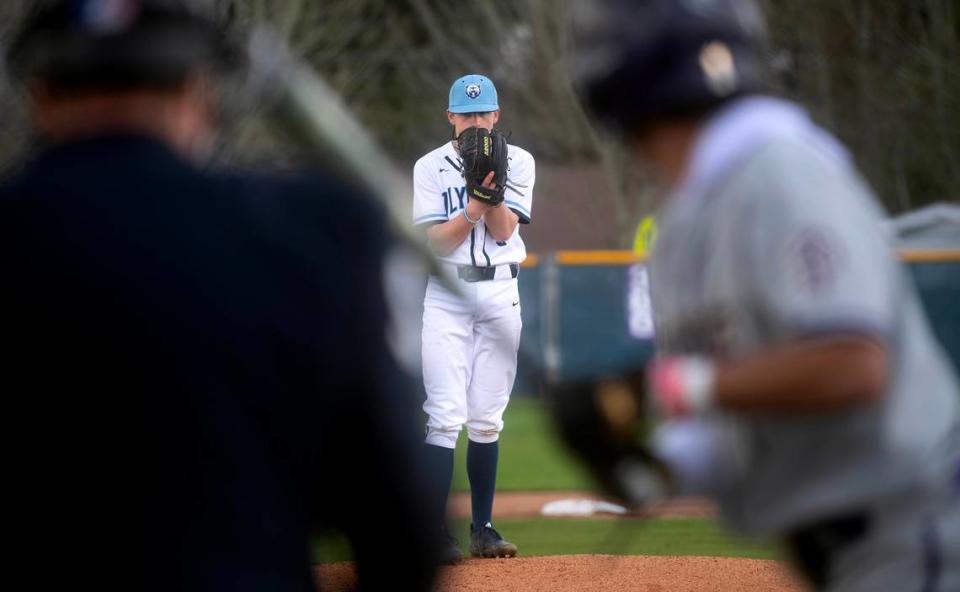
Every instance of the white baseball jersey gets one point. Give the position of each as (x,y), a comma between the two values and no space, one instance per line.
(440,194)
(470,340)
(773,237)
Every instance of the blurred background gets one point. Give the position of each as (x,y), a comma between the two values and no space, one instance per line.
(884,75)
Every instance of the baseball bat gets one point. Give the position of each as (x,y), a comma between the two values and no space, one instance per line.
(306,109)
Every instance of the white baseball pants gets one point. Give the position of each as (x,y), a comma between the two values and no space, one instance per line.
(469,352)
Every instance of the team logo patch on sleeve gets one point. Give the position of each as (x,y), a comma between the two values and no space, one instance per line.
(811,261)
(473,90)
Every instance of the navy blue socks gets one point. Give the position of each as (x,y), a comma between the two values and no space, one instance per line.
(482,472)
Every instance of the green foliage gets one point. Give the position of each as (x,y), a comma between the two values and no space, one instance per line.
(884,75)
(14,133)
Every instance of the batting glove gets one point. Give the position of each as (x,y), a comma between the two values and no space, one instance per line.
(681,386)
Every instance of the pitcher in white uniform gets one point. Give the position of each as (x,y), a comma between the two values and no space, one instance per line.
(470,341)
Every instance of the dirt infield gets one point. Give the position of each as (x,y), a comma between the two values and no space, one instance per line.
(589,573)
(599,573)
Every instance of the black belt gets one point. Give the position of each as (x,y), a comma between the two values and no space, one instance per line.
(814,546)
(471,273)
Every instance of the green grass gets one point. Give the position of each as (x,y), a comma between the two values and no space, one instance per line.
(687,536)
(531,456)
(553,536)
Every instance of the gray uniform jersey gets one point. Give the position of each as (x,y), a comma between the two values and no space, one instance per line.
(772,238)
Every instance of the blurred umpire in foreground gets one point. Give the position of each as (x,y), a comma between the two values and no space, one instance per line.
(196,368)
(796,375)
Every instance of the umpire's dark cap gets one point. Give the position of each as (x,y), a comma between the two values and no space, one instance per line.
(639,60)
(123,43)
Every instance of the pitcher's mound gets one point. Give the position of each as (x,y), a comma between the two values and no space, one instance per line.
(595,573)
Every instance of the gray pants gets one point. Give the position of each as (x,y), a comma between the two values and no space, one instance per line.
(911,548)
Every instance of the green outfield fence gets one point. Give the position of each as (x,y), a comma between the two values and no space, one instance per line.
(575,313)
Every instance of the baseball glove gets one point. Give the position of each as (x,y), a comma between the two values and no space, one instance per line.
(483,151)
(604,422)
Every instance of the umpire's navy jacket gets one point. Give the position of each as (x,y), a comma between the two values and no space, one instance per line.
(197,377)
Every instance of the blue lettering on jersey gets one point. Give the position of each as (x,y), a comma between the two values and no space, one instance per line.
(450,204)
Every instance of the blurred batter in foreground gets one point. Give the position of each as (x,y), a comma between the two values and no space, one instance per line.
(800,381)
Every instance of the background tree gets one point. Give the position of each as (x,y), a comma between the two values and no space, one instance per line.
(883,74)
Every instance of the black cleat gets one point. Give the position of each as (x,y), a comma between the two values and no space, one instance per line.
(487,542)
(450,552)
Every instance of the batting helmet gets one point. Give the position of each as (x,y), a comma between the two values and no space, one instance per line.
(102,43)
(639,60)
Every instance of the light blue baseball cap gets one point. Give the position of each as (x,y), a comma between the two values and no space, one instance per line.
(473,94)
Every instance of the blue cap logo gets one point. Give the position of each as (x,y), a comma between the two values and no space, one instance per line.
(473,93)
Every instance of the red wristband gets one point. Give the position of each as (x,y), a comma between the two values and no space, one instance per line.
(681,386)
